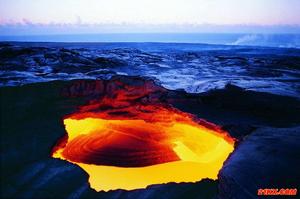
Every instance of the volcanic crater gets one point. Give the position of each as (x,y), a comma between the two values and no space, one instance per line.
(128,137)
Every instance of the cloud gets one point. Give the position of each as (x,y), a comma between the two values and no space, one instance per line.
(27,22)
(78,27)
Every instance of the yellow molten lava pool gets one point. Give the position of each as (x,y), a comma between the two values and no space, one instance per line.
(129,153)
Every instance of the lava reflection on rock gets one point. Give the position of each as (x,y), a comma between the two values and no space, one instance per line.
(133,145)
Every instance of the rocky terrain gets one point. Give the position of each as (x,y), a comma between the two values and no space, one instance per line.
(193,67)
(253,93)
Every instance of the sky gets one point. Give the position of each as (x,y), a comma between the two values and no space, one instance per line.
(34,16)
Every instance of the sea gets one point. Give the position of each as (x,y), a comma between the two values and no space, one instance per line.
(269,40)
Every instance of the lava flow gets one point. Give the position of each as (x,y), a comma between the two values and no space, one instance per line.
(123,143)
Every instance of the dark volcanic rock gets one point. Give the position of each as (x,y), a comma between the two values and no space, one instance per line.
(236,106)
(272,109)
(268,158)
(45,179)
(204,189)
(239,130)
(7,52)
(108,62)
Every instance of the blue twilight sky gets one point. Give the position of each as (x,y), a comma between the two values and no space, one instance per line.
(96,16)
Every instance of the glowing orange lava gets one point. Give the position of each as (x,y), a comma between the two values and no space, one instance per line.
(125,144)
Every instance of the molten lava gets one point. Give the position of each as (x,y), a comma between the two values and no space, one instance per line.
(126,144)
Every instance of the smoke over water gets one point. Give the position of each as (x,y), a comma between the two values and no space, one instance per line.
(284,41)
